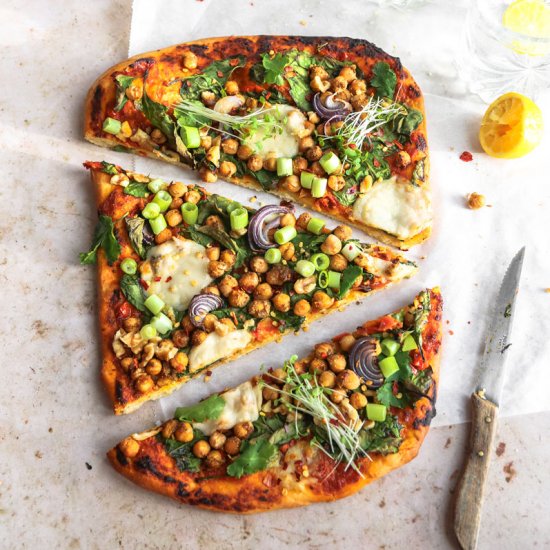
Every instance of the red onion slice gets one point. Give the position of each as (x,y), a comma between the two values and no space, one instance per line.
(201,305)
(364,361)
(331,108)
(266,218)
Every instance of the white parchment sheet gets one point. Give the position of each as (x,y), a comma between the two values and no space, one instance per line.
(469,250)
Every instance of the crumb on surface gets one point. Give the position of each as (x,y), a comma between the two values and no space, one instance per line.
(501,448)
(475,201)
(466,156)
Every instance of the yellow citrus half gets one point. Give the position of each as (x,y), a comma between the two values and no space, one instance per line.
(530,18)
(511,127)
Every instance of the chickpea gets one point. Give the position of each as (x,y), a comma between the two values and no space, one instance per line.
(337,395)
(475,201)
(131,324)
(303,220)
(281,302)
(324,350)
(209,98)
(299,164)
(249,281)
(206,142)
(358,87)
(319,85)
(225,326)
(201,448)
(301,308)
(198,337)
(259,265)
(158,137)
(337,362)
(190,60)
(255,163)
(169,428)
(259,308)
(135,89)
(227,169)
(321,300)
(348,380)
(336,183)
(358,400)
(348,73)
(179,362)
(305,285)
(359,101)
(207,175)
(153,367)
(332,245)
(244,152)
(278,275)
(213,252)
(217,440)
(238,298)
(232,446)
(343,232)
(192,196)
(217,268)
(243,429)
(263,292)
(343,94)
(129,447)
(180,339)
(317,365)
(231,87)
(305,144)
(347,342)
(144,383)
(269,394)
(228,257)
(327,379)
(214,459)
(270,162)
(338,262)
(186,325)
(211,290)
(163,236)
(317,169)
(230,146)
(287,251)
(176,204)
(338,83)
(317,70)
(127,363)
(288,219)
(291,183)
(177,189)
(173,217)
(314,153)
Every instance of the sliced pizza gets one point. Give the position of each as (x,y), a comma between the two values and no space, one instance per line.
(316,429)
(334,124)
(189,280)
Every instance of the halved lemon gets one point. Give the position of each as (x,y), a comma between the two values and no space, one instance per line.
(511,127)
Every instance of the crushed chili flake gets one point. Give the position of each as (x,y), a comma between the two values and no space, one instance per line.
(268,95)
(234,61)
(143,284)
(169,278)
(376,163)
(208,373)
(466,156)
(220,74)
(157,279)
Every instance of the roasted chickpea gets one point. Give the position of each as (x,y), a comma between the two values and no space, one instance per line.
(270,394)
(230,146)
(176,204)
(347,342)
(305,144)
(173,217)
(343,232)
(217,440)
(127,363)
(291,183)
(231,87)
(299,164)
(303,220)
(259,308)
(225,326)
(189,60)
(270,162)
(314,153)
(244,152)
(348,380)
(227,285)
(259,265)
(129,447)
(180,339)
(336,183)
(169,428)
(358,102)
(338,262)
(337,395)
(338,83)
(337,362)
(263,292)
(131,324)
(209,322)
(198,337)
(228,257)
(348,73)
(243,429)
(278,275)
(192,196)
(249,281)
(232,445)
(187,326)
(153,367)
(475,201)
(135,90)
(207,175)
(179,362)
(217,268)
(213,252)
(321,300)
(201,448)
(255,163)
(214,459)
(317,70)
(211,290)
(323,350)
(332,245)
(238,298)
(319,85)
(317,365)
(209,98)
(358,400)
(281,302)
(206,142)
(317,169)
(343,94)
(327,379)
(177,189)
(227,169)
(302,308)
(144,383)
(163,236)
(288,219)
(287,251)
(358,87)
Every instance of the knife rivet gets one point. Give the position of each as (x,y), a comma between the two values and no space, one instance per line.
(480,453)
(488,419)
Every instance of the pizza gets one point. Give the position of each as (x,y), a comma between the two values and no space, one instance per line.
(189,280)
(314,429)
(334,124)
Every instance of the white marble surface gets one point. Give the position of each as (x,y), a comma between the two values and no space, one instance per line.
(54,418)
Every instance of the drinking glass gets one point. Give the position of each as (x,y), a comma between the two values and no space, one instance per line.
(494,59)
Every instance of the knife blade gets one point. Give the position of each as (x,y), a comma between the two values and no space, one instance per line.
(485,400)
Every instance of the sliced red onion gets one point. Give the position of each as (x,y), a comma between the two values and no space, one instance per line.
(201,305)
(332,107)
(266,218)
(364,361)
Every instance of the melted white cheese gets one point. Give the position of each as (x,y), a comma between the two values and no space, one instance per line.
(216,347)
(269,140)
(397,207)
(242,404)
(176,271)
(385,268)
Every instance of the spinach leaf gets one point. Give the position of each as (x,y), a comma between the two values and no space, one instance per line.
(292,430)
(308,241)
(349,275)
(288,320)
(266,179)
(108,168)
(420,381)
(209,409)
(137,189)
(157,115)
(216,204)
(122,83)
(384,80)
(182,453)
(133,292)
(347,195)
(239,246)
(274,68)
(384,437)
(193,233)
(266,426)
(241,315)
(136,233)
(104,237)
(255,456)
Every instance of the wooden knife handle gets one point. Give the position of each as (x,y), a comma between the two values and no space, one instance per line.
(472,484)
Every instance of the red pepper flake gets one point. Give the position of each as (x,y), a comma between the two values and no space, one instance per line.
(395,388)
(284,448)
(397,144)
(157,279)
(208,373)
(451,332)
(233,62)
(376,163)
(268,95)
(220,74)
(143,284)
(352,146)
(168,279)
(466,156)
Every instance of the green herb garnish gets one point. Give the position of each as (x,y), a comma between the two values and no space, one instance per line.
(254,457)
(209,409)
(133,292)
(104,237)
(384,80)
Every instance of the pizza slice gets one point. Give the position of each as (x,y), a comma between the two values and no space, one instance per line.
(189,280)
(334,124)
(316,429)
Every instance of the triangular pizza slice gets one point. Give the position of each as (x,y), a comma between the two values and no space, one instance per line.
(334,124)
(314,429)
(189,280)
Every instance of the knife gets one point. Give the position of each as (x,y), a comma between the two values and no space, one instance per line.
(485,402)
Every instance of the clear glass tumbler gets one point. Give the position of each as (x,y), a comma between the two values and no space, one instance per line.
(493,59)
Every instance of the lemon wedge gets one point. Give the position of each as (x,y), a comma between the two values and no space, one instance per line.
(511,127)
(530,18)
